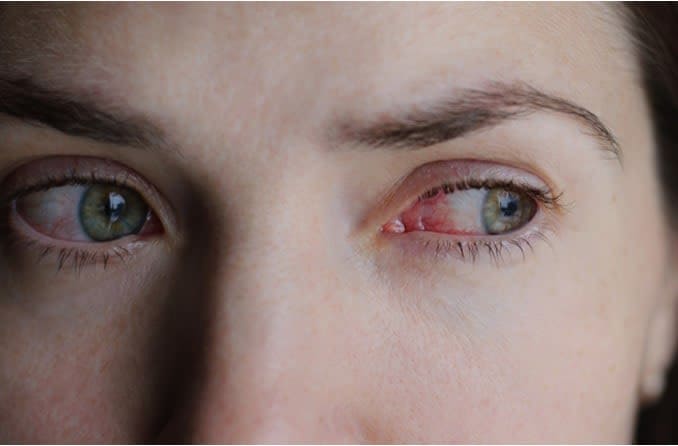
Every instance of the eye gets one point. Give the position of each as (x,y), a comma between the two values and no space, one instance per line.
(86,213)
(77,212)
(505,211)
(472,211)
(110,212)
(79,203)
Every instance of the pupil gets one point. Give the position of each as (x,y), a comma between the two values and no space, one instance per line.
(508,206)
(115,206)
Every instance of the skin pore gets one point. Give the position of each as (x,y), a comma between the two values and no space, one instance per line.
(272,144)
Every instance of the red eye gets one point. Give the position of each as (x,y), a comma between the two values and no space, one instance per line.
(472,212)
(87,213)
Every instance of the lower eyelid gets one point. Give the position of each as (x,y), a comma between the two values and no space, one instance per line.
(28,252)
(477,252)
(28,248)
(500,250)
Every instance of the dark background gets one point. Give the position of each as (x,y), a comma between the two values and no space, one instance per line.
(659,423)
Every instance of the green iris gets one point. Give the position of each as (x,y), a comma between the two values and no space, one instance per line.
(505,210)
(108,212)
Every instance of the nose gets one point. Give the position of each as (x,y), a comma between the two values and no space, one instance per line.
(277,378)
(282,351)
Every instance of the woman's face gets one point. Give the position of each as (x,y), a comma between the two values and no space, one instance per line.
(255,223)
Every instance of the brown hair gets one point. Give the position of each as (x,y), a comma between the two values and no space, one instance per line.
(654,29)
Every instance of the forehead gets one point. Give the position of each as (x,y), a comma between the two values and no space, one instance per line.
(278,61)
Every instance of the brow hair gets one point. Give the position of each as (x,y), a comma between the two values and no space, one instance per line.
(25,100)
(470,110)
(466,111)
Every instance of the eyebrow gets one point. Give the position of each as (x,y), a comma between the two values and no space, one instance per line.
(27,101)
(465,112)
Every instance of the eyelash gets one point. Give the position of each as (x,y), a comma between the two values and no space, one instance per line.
(77,257)
(80,258)
(543,196)
(437,246)
(496,246)
(496,249)
(71,178)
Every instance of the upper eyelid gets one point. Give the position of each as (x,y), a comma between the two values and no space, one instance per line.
(40,174)
(56,182)
(546,196)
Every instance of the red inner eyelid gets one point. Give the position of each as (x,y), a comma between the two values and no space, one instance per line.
(153,226)
(428,214)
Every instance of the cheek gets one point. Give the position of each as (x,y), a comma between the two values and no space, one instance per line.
(71,380)
(537,365)
(583,319)
(87,353)
(550,348)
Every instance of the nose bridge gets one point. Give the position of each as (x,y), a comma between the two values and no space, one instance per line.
(277,343)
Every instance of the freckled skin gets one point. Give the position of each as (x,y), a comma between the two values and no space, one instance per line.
(268,310)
